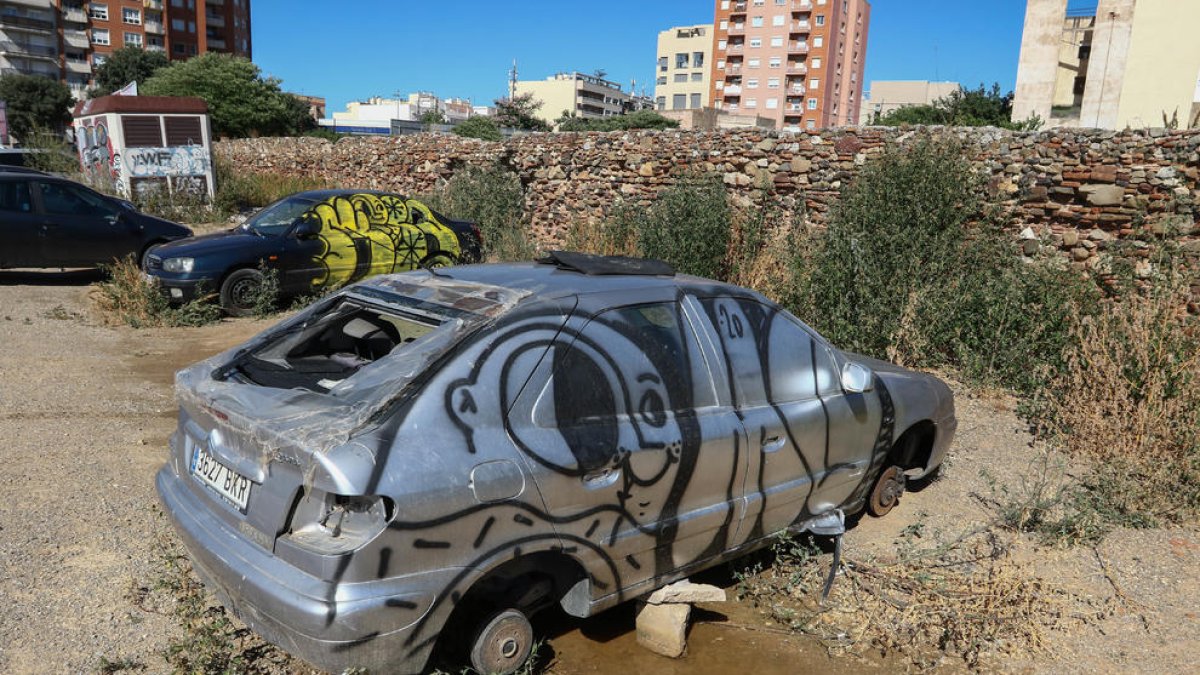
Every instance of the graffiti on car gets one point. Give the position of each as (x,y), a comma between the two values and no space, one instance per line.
(368,234)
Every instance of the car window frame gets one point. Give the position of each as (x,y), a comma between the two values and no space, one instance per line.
(41,182)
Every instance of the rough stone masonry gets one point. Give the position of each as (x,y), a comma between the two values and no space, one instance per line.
(1071,190)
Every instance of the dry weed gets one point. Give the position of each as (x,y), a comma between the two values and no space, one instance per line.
(966,596)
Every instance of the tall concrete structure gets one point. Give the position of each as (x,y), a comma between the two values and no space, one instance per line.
(66,39)
(1128,63)
(799,62)
(578,94)
(684,68)
(888,95)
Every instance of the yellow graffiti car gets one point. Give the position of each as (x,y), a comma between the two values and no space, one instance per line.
(314,241)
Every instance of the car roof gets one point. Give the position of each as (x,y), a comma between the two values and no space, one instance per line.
(549,281)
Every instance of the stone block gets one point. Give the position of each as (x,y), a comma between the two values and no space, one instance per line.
(1103,195)
(686,591)
(663,628)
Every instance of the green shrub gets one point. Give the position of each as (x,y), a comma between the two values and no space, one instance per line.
(238,190)
(687,225)
(127,297)
(482,128)
(50,153)
(912,267)
(493,198)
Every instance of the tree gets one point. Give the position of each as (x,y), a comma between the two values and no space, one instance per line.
(520,112)
(479,127)
(35,102)
(241,102)
(125,65)
(433,117)
(980,107)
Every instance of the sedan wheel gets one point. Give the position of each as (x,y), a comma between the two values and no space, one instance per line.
(503,643)
(886,493)
(240,292)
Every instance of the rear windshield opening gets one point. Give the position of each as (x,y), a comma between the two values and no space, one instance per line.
(331,348)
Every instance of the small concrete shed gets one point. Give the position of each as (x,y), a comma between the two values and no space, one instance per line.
(145,143)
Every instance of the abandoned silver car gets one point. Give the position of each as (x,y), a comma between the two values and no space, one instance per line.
(464,447)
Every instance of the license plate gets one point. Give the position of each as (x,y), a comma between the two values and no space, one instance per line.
(227,482)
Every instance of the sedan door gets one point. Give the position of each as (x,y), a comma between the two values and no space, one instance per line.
(19,225)
(83,228)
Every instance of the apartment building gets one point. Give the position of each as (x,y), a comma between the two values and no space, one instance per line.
(66,39)
(578,94)
(684,68)
(798,62)
(1112,64)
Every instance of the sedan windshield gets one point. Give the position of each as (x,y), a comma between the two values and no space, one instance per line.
(274,220)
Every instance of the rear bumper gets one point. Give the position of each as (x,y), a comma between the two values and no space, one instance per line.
(332,625)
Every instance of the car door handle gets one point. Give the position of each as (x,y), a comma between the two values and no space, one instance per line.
(599,479)
(773,443)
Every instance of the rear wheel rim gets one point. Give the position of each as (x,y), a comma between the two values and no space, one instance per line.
(241,295)
(504,643)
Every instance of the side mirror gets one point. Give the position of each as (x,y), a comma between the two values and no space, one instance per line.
(306,229)
(857,378)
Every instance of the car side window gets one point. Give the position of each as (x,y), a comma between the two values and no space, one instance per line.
(640,361)
(770,357)
(68,200)
(14,196)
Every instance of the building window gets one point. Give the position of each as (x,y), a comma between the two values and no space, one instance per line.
(661,80)
(772,83)
(1085,52)
(697,59)
(812,104)
(811,124)
(191,26)
(661,102)
(98,11)
(724,4)
(662,64)
(816,62)
(777,20)
(813,84)
(752,103)
(681,60)
(178,24)
(758,3)
(131,15)
(100,36)
(756,21)
(696,101)
(681,77)
(178,48)
(777,41)
(772,103)
(697,77)
(721,44)
(133,39)
(819,41)
(724,24)
(98,59)
(820,19)
(753,63)
(755,43)
(752,84)
(775,62)
(679,102)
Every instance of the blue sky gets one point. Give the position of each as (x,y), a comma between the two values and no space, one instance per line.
(355,49)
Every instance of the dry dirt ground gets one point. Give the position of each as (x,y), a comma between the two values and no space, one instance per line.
(85,411)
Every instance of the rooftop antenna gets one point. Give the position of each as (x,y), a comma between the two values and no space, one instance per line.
(512,81)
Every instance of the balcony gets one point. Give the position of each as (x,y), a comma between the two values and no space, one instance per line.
(26,23)
(214,20)
(154,27)
(801,26)
(79,67)
(153,4)
(735,90)
(737,30)
(735,49)
(217,3)
(797,47)
(37,4)
(733,70)
(216,43)
(155,48)
(28,51)
(738,8)
(802,5)
(797,69)
(74,15)
(796,90)
(76,38)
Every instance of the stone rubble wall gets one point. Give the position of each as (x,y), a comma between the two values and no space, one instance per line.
(1073,190)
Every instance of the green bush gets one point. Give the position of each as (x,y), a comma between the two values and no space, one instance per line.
(50,152)
(238,190)
(913,268)
(493,198)
(127,297)
(687,225)
(482,128)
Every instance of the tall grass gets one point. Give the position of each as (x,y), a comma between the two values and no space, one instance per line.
(493,198)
